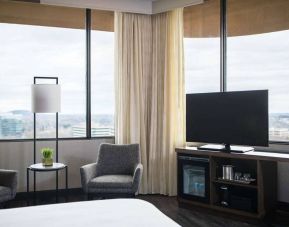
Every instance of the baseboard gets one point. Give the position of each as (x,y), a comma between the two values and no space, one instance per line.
(62,192)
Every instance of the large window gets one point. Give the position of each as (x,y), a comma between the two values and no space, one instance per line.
(261,62)
(257,53)
(202,47)
(50,41)
(29,51)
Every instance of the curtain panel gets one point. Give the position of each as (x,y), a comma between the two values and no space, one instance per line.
(150,95)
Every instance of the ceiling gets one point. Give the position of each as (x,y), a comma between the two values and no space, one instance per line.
(133,6)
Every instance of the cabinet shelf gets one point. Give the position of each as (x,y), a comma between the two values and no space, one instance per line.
(219,181)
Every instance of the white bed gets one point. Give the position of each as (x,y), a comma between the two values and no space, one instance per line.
(112,213)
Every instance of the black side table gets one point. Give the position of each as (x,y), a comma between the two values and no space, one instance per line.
(38,167)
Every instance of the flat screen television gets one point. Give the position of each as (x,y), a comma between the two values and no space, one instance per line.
(228,118)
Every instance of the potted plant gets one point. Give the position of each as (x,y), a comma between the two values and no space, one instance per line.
(47,156)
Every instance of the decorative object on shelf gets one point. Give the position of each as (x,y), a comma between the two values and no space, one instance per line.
(241,180)
(45,99)
(237,175)
(224,195)
(246,176)
(228,172)
(47,159)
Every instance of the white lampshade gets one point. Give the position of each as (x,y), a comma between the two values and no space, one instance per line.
(45,98)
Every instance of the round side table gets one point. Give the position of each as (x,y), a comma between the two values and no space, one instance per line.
(39,167)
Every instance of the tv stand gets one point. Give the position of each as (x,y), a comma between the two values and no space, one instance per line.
(259,195)
(225,148)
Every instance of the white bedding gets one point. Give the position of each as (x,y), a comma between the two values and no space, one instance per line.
(112,213)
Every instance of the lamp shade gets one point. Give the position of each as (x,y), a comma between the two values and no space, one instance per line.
(45,98)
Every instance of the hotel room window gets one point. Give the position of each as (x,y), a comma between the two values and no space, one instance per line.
(202,47)
(45,44)
(102,74)
(258,53)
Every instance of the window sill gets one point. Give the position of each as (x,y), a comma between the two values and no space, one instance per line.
(53,139)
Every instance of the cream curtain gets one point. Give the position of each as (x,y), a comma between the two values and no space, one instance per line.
(150,93)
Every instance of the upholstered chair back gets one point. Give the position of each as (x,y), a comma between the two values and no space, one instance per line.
(117,159)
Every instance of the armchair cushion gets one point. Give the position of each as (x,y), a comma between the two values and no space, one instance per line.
(111,181)
(117,170)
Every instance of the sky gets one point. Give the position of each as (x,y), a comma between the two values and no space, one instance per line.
(254,62)
(27,51)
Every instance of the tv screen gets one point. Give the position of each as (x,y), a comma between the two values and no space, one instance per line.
(239,118)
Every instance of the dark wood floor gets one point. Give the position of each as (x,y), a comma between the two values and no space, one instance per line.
(169,206)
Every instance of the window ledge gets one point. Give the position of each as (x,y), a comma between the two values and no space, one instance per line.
(53,139)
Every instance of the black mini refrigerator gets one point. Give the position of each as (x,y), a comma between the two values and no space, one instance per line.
(193,178)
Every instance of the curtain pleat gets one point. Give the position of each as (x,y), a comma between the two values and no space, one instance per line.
(150,93)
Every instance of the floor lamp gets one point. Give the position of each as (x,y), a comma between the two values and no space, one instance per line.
(45,99)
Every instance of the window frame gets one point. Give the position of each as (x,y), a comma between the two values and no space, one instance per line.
(88,136)
(223,75)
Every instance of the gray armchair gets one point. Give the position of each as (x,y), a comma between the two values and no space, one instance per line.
(8,184)
(117,171)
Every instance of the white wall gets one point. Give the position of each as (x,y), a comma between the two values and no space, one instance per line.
(74,153)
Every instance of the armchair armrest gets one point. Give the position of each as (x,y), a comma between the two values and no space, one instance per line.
(87,172)
(137,177)
(9,178)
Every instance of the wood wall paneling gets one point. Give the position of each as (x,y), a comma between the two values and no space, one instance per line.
(202,20)
(244,17)
(54,16)
(102,20)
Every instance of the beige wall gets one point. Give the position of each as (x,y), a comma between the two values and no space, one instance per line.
(74,153)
